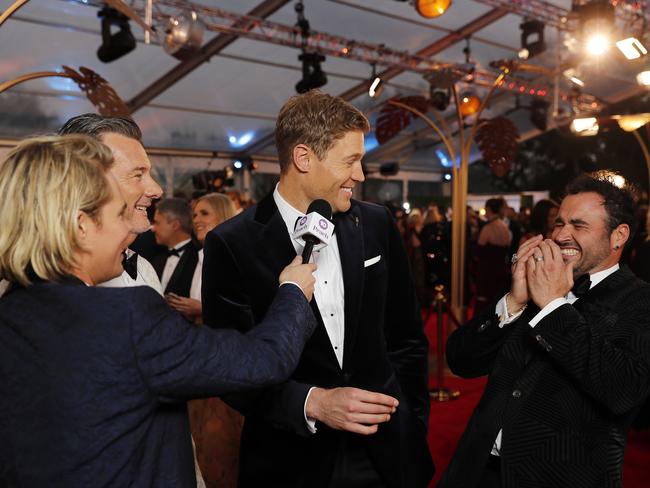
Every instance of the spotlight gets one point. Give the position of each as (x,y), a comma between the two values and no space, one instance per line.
(643,78)
(585,127)
(539,113)
(376,84)
(532,38)
(572,75)
(115,45)
(312,73)
(469,104)
(432,8)
(439,99)
(389,169)
(184,36)
(237,165)
(446,176)
(597,44)
(631,48)
(597,20)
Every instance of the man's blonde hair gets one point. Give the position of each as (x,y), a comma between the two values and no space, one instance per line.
(44,183)
(317,120)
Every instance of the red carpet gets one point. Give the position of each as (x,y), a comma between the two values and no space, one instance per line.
(448,419)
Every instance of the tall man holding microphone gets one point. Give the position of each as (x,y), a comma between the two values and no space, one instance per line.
(355,412)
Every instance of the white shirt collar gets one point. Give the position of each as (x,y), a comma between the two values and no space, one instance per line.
(181,244)
(601,275)
(289,213)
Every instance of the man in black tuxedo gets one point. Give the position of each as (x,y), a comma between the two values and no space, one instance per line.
(172,227)
(567,352)
(355,412)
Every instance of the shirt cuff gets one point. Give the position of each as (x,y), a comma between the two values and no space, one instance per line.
(311,424)
(291,283)
(557,303)
(502,312)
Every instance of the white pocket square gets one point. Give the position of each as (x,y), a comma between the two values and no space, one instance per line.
(371,261)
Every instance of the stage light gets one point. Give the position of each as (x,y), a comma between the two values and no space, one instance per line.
(572,75)
(313,75)
(389,169)
(643,78)
(446,176)
(532,38)
(631,48)
(237,165)
(469,104)
(585,126)
(184,36)
(376,84)
(597,44)
(115,45)
(523,53)
(432,8)
(439,99)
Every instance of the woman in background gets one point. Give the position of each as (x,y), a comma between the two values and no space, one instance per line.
(542,220)
(209,211)
(216,427)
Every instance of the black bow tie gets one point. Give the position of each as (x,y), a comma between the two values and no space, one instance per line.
(581,285)
(177,252)
(130,265)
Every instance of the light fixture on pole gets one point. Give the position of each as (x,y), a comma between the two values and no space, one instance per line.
(632,122)
(469,104)
(376,83)
(431,9)
(313,75)
(597,22)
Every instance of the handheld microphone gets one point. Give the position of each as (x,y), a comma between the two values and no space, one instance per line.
(315,229)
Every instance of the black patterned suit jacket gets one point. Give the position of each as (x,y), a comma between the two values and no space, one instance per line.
(564,392)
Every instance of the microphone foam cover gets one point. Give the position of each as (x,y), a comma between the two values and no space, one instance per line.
(321,207)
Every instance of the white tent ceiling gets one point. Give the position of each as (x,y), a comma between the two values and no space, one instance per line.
(242,87)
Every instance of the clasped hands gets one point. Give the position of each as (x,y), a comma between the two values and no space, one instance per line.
(539,274)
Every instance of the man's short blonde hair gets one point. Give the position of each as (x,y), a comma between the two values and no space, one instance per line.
(317,120)
(44,183)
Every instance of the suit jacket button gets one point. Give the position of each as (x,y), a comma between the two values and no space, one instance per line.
(484,326)
(516,393)
(538,338)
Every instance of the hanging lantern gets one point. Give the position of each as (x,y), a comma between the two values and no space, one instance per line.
(469,104)
(432,8)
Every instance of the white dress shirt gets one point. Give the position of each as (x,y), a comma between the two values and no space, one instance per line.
(195,289)
(570,298)
(146,276)
(171,263)
(328,291)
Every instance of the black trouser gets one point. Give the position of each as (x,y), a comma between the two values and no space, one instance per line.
(353,467)
(491,477)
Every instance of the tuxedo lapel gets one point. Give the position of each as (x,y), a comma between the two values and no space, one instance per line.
(180,281)
(279,252)
(349,235)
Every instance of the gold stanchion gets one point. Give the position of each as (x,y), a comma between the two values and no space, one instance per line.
(440,393)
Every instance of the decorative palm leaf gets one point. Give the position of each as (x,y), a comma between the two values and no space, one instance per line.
(392,119)
(99,92)
(498,140)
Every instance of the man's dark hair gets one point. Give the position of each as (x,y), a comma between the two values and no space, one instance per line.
(618,201)
(177,209)
(495,204)
(95,125)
